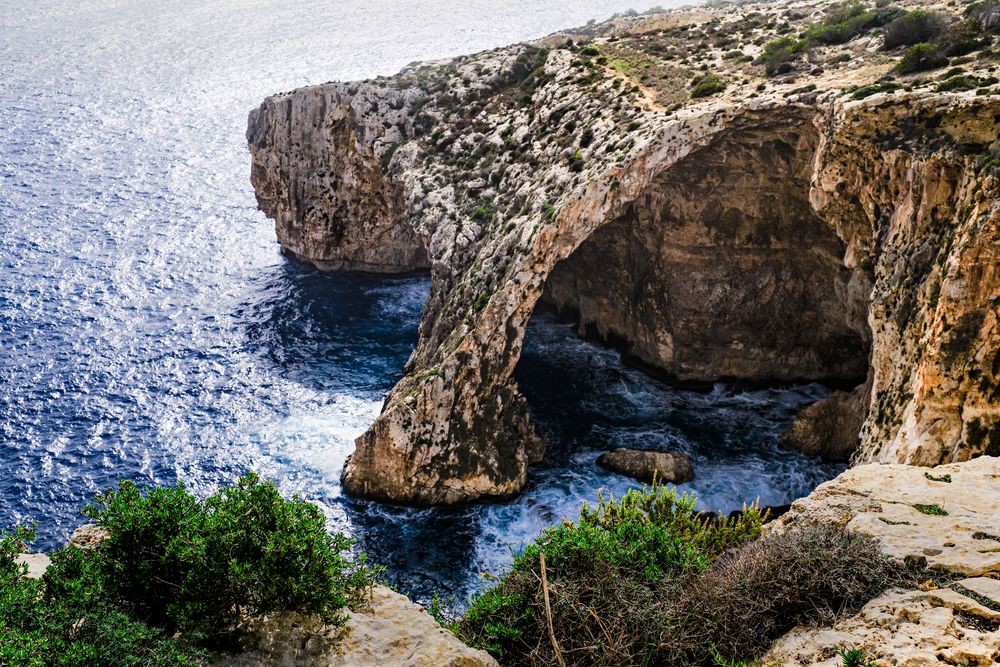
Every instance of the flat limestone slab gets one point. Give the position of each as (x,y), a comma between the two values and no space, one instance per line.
(899,505)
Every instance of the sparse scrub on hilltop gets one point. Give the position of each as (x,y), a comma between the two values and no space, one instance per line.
(914,27)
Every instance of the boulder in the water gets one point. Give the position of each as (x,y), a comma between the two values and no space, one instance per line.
(645,465)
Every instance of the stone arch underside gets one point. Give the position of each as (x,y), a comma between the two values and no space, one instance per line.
(720,269)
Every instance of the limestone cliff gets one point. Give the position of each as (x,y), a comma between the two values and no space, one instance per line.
(789,228)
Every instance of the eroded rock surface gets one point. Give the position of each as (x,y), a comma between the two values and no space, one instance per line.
(946,516)
(390,630)
(646,465)
(773,231)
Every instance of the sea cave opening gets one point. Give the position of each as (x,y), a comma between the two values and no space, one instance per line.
(702,320)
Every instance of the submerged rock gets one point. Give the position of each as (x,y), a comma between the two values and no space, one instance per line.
(646,465)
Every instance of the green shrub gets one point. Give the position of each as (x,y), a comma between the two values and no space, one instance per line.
(707,85)
(179,563)
(76,627)
(778,54)
(842,23)
(961,38)
(913,28)
(645,581)
(957,84)
(610,565)
(868,91)
(920,58)
(855,657)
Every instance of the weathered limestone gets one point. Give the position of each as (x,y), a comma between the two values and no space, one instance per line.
(783,235)
(646,465)
(911,628)
(896,503)
(88,536)
(390,630)
(901,506)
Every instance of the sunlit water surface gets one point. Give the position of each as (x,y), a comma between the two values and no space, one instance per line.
(149,328)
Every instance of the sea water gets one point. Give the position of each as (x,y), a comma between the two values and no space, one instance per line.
(151,330)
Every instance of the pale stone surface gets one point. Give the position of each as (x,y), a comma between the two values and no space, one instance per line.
(881,500)
(390,631)
(912,628)
(645,465)
(37,563)
(905,628)
(88,536)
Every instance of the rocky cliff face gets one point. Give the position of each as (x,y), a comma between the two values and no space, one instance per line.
(771,231)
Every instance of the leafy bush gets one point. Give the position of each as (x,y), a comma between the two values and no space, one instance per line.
(605,571)
(961,38)
(913,28)
(179,563)
(644,581)
(707,85)
(956,84)
(68,624)
(868,91)
(842,23)
(778,54)
(919,58)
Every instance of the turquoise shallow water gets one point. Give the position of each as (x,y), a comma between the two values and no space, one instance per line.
(150,329)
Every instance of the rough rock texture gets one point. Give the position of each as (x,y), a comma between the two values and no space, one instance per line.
(773,231)
(391,630)
(646,465)
(958,625)
(88,536)
(891,502)
(911,628)
(829,428)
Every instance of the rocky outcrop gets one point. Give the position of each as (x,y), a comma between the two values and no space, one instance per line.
(647,466)
(389,630)
(773,232)
(830,428)
(945,517)
(936,627)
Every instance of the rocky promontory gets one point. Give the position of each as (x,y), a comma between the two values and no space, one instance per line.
(720,202)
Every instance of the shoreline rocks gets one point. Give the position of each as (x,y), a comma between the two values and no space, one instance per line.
(647,465)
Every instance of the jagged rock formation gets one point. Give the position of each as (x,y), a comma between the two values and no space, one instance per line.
(946,516)
(775,231)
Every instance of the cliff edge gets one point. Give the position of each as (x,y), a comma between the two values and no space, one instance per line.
(717,213)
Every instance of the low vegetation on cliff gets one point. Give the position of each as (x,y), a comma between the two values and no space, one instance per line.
(645,580)
(174,576)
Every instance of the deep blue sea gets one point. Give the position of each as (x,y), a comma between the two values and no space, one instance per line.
(150,329)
